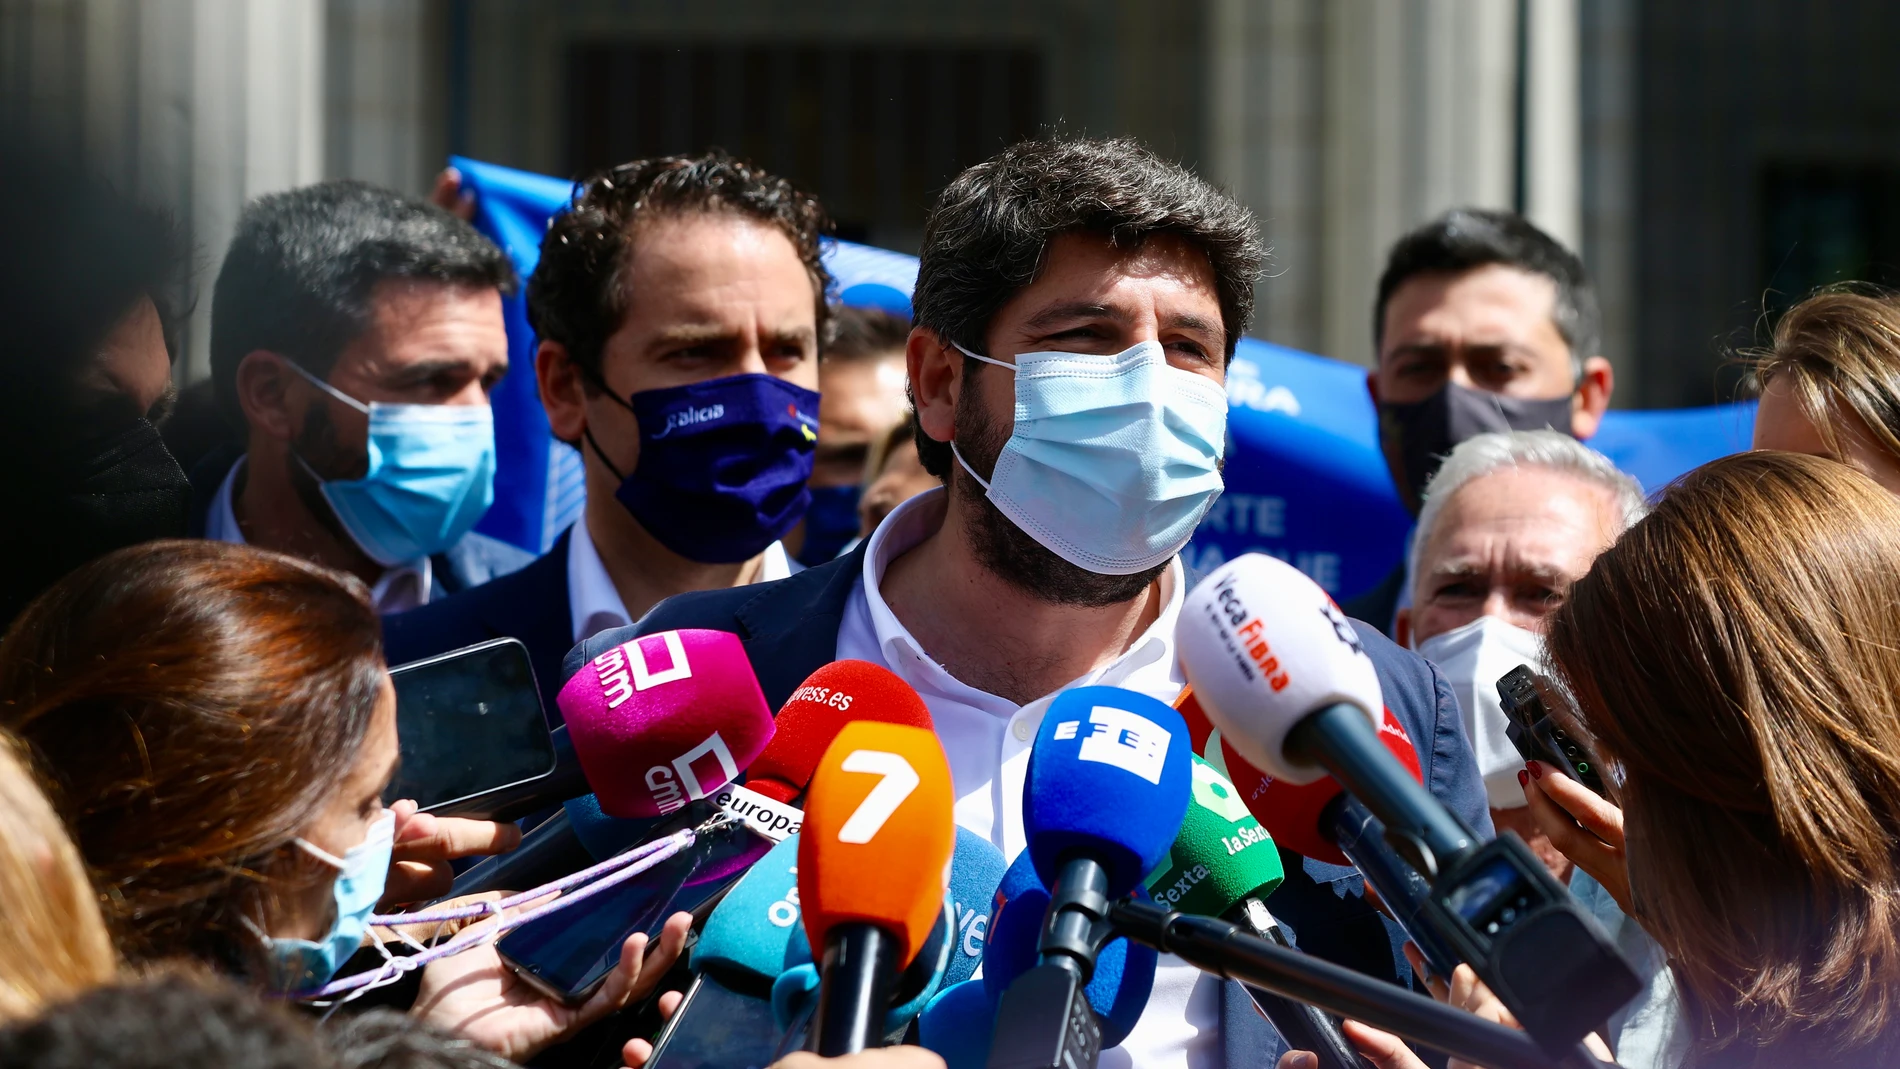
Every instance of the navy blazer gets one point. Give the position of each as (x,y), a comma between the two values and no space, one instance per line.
(790,627)
(530,604)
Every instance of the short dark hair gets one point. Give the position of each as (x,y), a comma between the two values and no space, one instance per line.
(988,234)
(301,268)
(866,333)
(1466,238)
(174,1018)
(575,296)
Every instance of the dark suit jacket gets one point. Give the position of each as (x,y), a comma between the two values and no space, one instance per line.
(473,560)
(790,627)
(530,605)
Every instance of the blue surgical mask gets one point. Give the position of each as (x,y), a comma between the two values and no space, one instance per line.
(431,477)
(830,523)
(304,965)
(723,464)
(1113,460)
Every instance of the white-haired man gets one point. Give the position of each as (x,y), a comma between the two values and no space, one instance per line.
(1509,523)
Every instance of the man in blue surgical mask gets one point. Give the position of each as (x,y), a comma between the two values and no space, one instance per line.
(1077,305)
(355,336)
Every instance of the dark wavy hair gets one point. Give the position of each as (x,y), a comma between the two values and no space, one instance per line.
(990,229)
(577,295)
(192,706)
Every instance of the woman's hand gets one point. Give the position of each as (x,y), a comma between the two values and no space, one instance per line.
(425,844)
(476,996)
(1587,828)
(1382,1049)
(875,1058)
(449,195)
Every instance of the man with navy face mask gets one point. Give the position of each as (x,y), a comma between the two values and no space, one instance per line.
(679,305)
(355,336)
(1077,304)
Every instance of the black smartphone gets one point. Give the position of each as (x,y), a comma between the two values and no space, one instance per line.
(569,953)
(472,732)
(1538,735)
(725,1029)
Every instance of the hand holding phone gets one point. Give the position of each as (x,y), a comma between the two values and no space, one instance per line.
(1538,735)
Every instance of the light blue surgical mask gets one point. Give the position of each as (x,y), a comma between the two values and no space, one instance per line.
(431,477)
(304,965)
(1113,460)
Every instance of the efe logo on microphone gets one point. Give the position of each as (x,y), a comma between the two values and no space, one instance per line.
(1129,741)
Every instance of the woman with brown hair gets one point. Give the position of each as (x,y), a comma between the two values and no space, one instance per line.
(1830,384)
(1736,656)
(53,943)
(217,728)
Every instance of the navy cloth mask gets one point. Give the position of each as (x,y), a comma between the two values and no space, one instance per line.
(723,464)
(830,524)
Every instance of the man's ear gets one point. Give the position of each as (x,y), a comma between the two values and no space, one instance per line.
(1372,386)
(1592,398)
(263,384)
(936,381)
(563,391)
(1402,627)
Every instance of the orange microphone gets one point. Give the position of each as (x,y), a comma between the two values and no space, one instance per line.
(873,867)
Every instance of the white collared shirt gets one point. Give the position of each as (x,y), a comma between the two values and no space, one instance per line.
(987,739)
(404,586)
(594,604)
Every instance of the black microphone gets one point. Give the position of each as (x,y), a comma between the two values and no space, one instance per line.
(1294,693)
(1225,949)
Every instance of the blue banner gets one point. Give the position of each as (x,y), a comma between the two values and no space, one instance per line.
(1305,480)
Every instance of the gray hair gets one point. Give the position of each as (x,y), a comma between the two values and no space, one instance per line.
(1487,454)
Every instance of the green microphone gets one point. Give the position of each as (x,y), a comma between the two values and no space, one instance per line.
(1224,864)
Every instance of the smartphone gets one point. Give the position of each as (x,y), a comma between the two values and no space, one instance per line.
(1537,734)
(472,732)
(569,953)
(726,1029)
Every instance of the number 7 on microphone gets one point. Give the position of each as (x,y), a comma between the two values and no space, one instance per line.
(879,831)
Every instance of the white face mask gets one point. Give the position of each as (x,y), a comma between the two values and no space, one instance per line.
(1473,658)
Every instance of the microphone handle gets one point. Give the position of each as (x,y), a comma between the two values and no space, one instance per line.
(1222,948)
(1361,837)
(854,989)
(1339,739)
(1303,1027)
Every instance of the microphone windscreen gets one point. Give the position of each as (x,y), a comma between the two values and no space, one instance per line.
(664,719)
(957,1024)
(833,696)
(1221,855)
(602,835)
(744,942)
(878,835)
(976,870)
(1292,812)
(1264,647)
(1107,778)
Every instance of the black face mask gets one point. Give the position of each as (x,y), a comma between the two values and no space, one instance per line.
(1416,436)
(103,494)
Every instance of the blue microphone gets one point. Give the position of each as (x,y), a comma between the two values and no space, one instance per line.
(976,871)
(957,1023)
(1107,787)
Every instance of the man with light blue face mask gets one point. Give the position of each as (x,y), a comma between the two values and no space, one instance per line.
(355,337)
(1077,305)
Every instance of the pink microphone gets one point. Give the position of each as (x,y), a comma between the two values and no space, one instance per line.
(679,710)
